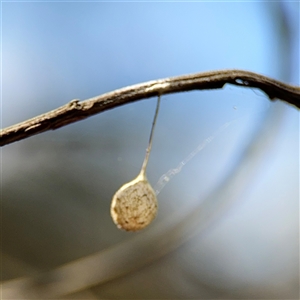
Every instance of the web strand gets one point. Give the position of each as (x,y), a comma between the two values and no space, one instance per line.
(165,178)
(144,166)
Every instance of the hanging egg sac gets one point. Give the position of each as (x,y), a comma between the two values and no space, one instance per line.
(134,205)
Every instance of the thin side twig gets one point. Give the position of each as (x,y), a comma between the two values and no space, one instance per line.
(77,110)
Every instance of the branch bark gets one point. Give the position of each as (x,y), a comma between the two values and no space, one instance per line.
(77,110)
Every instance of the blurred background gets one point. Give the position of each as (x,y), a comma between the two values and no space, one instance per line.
(228,222)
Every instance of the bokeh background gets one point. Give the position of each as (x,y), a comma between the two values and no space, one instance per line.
(228,222)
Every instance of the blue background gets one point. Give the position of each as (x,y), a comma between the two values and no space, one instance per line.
(57,186)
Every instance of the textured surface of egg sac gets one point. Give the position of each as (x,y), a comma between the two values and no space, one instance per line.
(134,205)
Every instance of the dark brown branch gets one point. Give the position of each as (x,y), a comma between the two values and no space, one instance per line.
(77,110)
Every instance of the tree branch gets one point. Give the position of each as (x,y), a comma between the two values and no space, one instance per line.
(77,110)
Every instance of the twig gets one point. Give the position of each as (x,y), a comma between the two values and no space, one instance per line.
(77,110)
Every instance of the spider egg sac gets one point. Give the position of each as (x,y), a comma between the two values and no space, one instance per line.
(134,205)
